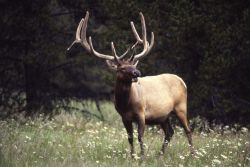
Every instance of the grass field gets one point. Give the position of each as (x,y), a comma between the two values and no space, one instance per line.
(77,140)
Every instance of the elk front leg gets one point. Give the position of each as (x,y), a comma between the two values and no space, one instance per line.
(129,128)
(141,128)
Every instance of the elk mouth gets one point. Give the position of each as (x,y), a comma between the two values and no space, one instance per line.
(134,79)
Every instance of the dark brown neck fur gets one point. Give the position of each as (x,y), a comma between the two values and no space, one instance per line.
(122,95)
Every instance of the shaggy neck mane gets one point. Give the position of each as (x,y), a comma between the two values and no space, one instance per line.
(122,94)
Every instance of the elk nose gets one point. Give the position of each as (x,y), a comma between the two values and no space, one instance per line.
(136,73)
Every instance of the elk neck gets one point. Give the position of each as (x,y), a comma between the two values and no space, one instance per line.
(122,95)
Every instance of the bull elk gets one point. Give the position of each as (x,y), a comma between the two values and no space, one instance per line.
(143,100)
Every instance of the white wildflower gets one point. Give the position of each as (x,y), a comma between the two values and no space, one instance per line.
(136,157)
(215,140)
(226,127)
(223,156)
(182,157)
(124,156)
(244,130)
(216,161)
(70,124)
(203,151)
(27,137)
(199,153)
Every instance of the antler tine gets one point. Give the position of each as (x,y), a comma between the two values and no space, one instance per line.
(83,37)
(111,65)
(90,45)
(136,63)
(144,30)
(129,49)
(139,40)
(151,42)
(133,54)
(81,33)
(144,38)
(114,52)
(125,53)
(135,32)
(78,31)
(107,57)
(77,40)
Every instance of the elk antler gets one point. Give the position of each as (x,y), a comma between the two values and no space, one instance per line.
(88,45)
(81,33)
(146,46)
(82,39)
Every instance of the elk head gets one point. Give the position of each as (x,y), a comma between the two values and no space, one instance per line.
(125,68)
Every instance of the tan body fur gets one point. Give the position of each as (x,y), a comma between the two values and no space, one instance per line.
(156,97)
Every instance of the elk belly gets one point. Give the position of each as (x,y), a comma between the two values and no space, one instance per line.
(157,112)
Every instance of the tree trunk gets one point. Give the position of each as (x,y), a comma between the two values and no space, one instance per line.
(32,89)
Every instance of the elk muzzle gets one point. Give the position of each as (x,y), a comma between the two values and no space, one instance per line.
(135,73)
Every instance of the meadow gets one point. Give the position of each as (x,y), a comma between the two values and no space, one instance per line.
(75,139)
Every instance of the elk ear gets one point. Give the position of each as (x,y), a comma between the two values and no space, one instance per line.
(112,65)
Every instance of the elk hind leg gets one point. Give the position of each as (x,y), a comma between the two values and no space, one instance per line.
(181,112)
(168,132)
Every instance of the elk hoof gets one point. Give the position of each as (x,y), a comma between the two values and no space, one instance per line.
(161,153)
(192,151)
(142,158)
(133,156)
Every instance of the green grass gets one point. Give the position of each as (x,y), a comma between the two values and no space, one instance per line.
(74,140)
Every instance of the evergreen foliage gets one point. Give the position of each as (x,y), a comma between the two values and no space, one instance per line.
(205,42)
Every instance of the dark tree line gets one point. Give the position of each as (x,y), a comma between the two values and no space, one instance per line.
(205,42)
